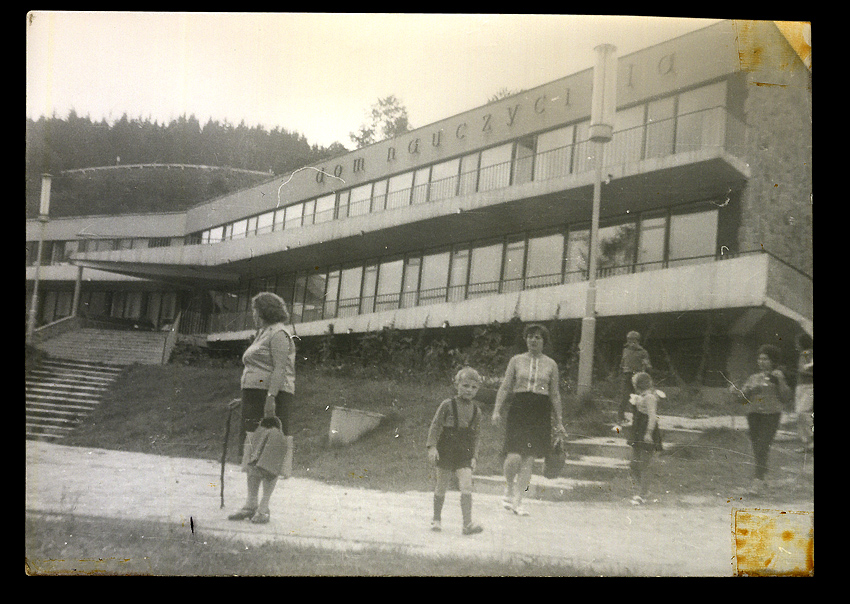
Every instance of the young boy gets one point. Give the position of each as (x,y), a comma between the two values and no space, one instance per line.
(453,441)
(646,434)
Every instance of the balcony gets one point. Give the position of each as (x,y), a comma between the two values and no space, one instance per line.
(690,157)
(748,280)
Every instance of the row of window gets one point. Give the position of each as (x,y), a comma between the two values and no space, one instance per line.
(684,122)
(524,261)
(60,252)
(155,308)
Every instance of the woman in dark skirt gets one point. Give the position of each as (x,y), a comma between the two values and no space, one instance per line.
(532,381)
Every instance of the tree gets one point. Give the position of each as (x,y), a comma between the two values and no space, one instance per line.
(502,94)
(387,119)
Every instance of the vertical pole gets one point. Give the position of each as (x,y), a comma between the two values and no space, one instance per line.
(75,305)
(603,107)
(43,212)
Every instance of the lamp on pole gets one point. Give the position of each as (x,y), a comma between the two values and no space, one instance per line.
(603,106)
(43,211)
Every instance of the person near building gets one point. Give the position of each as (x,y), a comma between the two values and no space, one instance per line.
(645,435)
(452,444)
(634,359)
(268,389)
(532,383)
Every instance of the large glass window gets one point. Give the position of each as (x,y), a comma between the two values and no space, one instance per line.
(578,247)
(701,118)
(495,170)
(627,144)
(325,206)
(294,216)
(379,196)
(361,199)
(332,294)
(485,267)
(514,266)
(370,284)
(616,249)
(349,291)
(435,271)
(653,232)
(444,179)
(693,237)
(389,285)
(298,297)
(314,296)
(398,190)
(584,149)
(545,260)
(660,126)
(309,212)
(523,160)
(469,174)
(554,153)
(411,282)
(265,223)
(342,204)
(421,178)
(458,275)
(240,229)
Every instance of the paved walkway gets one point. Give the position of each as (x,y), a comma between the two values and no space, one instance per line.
(692,537)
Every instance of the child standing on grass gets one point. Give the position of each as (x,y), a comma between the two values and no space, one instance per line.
(646,435)
(452,444)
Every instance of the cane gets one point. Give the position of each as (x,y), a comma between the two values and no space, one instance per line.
(230,407)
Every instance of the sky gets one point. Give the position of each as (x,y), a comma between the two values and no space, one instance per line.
(317,74)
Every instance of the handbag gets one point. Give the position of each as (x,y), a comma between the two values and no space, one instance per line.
(555,460)
(268,446)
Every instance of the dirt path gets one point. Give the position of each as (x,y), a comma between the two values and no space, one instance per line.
(688,536)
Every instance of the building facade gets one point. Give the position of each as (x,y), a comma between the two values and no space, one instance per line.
(705,235)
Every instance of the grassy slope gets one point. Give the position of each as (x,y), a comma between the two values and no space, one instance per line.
(180,410)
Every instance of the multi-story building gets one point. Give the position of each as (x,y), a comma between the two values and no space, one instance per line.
(705,237)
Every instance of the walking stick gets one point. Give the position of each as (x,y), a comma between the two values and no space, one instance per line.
(230,407)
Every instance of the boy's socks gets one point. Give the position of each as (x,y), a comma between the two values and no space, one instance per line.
(466,507)
(438,506)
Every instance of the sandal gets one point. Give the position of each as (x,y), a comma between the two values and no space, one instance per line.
(242,514)
(261,518)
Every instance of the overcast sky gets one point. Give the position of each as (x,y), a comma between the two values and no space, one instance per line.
(315,74)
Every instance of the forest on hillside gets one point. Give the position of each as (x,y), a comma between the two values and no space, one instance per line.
(55,145)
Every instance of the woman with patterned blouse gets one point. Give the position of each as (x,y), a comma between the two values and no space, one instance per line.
(532,381)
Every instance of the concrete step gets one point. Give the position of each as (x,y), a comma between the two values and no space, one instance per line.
(107,346)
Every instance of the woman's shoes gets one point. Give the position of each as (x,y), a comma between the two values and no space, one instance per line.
(243,514)
(261,518)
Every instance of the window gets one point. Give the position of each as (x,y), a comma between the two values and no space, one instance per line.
(616,249)
(578,246)
(370,283)
(700,119)
(240,229)
(325,208)
(627,144)
(484,269)
(469,174)
(332,294)
(298,297)
(434,279)
(584,149)
(458,274)
(660,126)
(653,232)
(693,237)
(421,178)
(361,199)
(252,226)
(265,223)
(309,212)
(544,261)
(495,169)
(444,179)
(314,295)
(349,291)
(398,190)
(279,216)
(514,266)
(523,160)
(379,196)
(411,282)
(342,204)
(294,216)
(389,285)
(554,153)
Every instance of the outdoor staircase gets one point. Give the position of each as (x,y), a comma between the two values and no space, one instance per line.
(60,393)
(110,346)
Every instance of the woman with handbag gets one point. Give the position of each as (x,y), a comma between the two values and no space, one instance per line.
(268,388)
(531,380)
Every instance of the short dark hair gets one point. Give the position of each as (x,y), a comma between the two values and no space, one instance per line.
(536,328)
(270,307)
